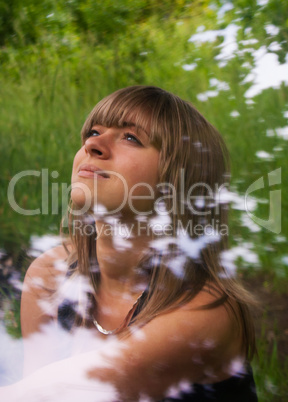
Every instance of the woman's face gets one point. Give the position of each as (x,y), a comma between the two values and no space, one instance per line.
(115,168)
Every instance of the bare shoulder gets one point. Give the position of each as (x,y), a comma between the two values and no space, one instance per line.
(41,283)
(186,344)
(218,320)
(204,325)
(198,344)
(47,267)
(39,306)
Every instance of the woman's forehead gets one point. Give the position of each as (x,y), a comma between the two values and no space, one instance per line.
(134,119)
(133,125)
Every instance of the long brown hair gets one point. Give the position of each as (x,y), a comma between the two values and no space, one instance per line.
(193,156)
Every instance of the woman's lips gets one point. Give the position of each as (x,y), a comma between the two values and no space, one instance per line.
(91,171)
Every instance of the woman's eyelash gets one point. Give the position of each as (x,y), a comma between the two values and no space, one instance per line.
(128,136)
(92,132)
(133,138)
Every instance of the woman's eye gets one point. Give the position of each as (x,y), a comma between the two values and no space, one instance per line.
(131,138)
(93,133)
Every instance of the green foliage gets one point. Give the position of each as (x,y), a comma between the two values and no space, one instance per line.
(270,376)
(23,23)
(12,318)
(258,18)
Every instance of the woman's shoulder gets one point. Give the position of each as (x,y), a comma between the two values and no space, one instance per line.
(214,312)
(198,345)
(44,276)
(49,265)
(211,313)
(41,282)
(59,252)
(198,338)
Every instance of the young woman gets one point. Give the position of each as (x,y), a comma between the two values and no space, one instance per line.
(139,297)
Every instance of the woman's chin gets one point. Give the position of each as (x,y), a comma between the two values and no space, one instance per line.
(81,197)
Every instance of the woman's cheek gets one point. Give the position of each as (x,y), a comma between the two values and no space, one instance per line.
(77,160)
(81,193)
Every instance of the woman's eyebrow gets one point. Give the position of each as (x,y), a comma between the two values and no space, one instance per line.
(136,126)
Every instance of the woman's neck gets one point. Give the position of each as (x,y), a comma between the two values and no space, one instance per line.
(119,251)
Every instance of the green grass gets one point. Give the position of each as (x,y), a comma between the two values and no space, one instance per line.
(270,372)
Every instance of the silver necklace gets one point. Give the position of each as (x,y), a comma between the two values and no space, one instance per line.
(124,322)
(103,330)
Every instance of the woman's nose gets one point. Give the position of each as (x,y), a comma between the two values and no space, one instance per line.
(97,146)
